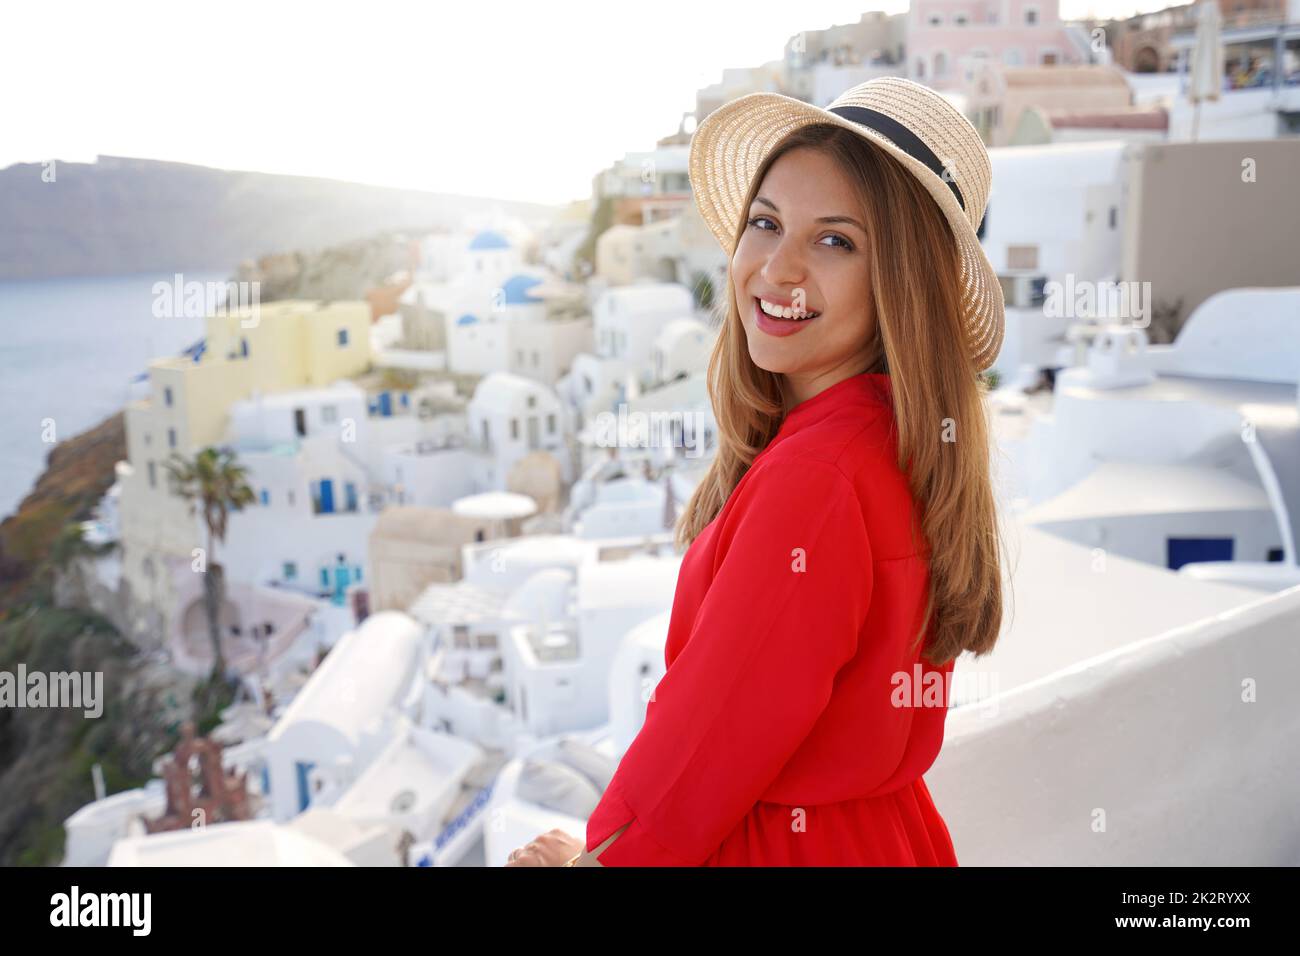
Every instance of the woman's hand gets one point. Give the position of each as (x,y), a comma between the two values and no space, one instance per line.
(553,848)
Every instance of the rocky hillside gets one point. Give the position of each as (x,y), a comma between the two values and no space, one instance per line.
(77,474)
(352,270)
(46,753)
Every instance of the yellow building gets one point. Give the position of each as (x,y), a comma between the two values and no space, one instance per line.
(268,348)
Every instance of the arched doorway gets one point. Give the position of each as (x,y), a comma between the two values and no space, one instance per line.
(1146,60)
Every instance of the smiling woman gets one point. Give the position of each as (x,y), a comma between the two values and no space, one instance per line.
(810,260)
(843,544)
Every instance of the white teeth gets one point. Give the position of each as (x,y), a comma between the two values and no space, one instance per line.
(783,312)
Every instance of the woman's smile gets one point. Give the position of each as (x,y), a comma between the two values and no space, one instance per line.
(773,325)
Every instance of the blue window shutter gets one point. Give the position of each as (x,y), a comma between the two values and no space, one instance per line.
(1180,551)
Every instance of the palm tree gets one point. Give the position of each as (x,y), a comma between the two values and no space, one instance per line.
(214,483)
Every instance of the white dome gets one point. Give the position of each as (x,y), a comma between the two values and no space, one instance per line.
(543,598)
(498,505)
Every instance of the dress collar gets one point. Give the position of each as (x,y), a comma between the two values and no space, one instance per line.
(865,388)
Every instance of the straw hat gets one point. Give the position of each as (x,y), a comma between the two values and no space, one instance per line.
(910,122)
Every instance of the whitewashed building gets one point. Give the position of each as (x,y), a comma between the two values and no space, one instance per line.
(341,716)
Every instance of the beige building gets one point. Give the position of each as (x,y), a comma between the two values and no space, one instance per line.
(1203,217)
(269,348)
(1132,124)
(678,250)
(411,548)
(997,95)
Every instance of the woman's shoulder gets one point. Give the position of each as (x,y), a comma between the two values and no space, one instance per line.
(850,441)
(850,454)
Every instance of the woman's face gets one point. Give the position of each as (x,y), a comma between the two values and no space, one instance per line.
(805,247)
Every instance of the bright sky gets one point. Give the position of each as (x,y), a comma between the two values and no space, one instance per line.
(517,99)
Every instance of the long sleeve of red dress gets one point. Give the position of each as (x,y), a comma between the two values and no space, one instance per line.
(775,736)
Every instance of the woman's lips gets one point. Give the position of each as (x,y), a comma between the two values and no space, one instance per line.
(774,326)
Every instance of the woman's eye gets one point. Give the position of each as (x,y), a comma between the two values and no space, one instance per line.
(757,219)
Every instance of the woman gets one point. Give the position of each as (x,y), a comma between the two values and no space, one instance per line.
(843,545)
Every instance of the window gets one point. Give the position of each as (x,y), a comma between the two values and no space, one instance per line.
(167,396)
(266,497)
(329,414)
(1011,56)
(171,438)
(1022,257)
(532,399)
(153,476)
(550,424)
(1114,216)
(243,347)
(536,358)
(1031,16)
(343,337)
(959,19)
(289,498)
(460,636)
(519,356)
(514,428)
(289,571)
(936,20)
(1180,551)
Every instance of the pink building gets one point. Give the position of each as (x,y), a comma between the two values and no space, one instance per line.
(945,36)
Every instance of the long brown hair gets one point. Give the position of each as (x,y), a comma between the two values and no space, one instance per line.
(939,412)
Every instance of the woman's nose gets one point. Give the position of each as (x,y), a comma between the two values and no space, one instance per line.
(783,265)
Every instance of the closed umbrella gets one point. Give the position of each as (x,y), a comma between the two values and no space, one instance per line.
(1207,60)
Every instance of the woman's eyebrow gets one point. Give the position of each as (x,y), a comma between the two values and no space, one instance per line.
(852,222)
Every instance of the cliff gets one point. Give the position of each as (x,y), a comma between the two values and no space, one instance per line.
(78,473)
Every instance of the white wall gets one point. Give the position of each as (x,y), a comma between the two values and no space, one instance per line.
(1154,741)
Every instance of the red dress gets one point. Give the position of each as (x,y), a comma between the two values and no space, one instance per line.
(794,721)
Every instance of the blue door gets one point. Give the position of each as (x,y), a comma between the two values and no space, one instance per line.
(342,578)
(304,788)
(386,404)
(326,496)
(1182,551)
